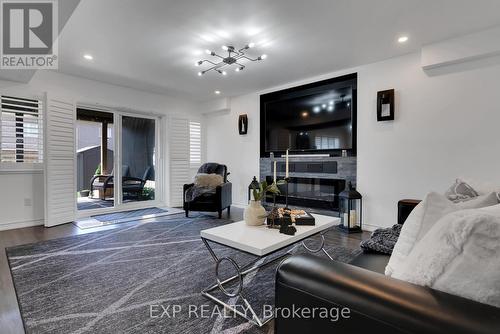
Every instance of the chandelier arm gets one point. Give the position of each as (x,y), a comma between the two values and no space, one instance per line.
(208,61)
(216,55)
(239,56)
(256,59)
(239,52)
(210,69)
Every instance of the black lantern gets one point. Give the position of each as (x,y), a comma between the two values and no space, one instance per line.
(350,209)
(254,185)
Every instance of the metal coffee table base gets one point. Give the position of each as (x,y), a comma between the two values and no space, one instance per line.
(241,272)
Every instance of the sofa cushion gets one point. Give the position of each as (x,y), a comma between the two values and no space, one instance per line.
(460,191)
(371,261)
(460,255)
(423,217)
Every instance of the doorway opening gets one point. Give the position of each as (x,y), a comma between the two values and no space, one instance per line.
(95,147)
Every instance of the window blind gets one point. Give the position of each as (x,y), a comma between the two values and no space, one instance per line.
(194,143)
(21,130)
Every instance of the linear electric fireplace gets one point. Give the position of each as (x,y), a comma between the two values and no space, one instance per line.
(310,192)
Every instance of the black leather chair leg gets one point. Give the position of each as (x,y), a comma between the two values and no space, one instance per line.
(220,214)
(187,213)
(228,211)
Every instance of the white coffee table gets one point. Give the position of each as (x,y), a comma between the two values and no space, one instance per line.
(259,241)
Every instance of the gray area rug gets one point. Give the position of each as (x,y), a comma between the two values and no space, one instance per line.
(128,214)
(107,282)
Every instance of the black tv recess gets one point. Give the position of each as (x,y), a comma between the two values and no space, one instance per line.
(317,118)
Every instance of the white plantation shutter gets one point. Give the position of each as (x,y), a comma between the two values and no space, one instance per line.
(195,144)
(179,158)
(60,174)
(21,130)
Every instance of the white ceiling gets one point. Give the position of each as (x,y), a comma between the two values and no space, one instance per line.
(152,45)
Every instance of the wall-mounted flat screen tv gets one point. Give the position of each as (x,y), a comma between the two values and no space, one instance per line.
(314,118)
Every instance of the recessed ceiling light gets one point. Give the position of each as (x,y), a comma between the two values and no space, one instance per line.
(88,57)
(217,92)
(403,39)
(305,114)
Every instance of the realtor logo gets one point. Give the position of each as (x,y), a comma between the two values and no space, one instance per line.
(28,33)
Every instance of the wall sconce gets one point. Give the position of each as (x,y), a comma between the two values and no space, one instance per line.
(243,124)
(385,105)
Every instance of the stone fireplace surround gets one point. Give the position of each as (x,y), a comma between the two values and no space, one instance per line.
(315,180)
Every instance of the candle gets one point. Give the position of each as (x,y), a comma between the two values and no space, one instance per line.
(345,222)
(274,172)
(286,171)
(352,215)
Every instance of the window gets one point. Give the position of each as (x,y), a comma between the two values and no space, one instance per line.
(194,143)
(21,130)
(326,143)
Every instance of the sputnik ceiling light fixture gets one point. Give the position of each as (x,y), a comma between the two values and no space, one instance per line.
(234,57)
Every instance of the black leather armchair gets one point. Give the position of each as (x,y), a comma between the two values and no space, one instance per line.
(221,200)
(377,303)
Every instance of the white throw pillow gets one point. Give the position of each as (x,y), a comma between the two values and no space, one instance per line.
(208,180)
(460,191)
(423,217)
(483,188)
(460,255)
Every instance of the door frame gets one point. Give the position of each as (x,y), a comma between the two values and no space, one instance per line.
(118,205)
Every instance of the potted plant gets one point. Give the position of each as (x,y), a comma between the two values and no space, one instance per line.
(255,214)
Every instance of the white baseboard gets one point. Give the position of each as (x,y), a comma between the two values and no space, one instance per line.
(14,225)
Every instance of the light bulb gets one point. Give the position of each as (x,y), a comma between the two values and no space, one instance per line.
(225,48)
(224,73)
(88,56)
(237,69)
(263,56)
(403,39)
(208,52)
(200,74)
(251,45)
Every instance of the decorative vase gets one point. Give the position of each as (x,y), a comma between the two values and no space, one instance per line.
(254,214)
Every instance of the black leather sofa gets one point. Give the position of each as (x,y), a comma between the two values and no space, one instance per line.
(377,303)
(221,200)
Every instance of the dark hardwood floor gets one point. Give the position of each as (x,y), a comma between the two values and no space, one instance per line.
(10,318)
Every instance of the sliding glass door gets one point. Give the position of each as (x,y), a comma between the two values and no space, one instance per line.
(95,159)
(117,161)
(138,158)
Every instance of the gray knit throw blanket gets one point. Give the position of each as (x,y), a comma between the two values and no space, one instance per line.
(382,240)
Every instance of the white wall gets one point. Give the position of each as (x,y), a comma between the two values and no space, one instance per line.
(447,125)
(16,188)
